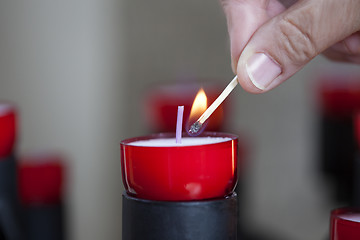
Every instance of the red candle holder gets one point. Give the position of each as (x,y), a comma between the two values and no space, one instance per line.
(7,129)
(180,173)
(345,224)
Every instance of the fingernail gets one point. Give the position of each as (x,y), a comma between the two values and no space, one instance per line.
(262,70)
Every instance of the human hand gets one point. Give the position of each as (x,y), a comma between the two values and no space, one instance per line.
(270,43)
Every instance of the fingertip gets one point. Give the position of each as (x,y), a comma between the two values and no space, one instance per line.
(233,66)
(245,81)
(249,87)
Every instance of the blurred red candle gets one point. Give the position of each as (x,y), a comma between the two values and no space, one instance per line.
(40,178)
(161,103)
(202,167)
(7,129)
(345,224)
(339,96)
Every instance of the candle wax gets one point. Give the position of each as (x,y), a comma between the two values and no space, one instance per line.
(187,141)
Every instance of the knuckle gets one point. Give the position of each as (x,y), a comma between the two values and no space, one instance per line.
(297,41)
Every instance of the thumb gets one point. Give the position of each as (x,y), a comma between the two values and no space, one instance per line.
(243,18)
(284,44)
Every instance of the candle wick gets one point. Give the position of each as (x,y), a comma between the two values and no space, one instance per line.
(179,123)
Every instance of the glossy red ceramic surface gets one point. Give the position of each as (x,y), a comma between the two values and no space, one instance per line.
(180,173)
(342,229)
(7,129)
(40,179)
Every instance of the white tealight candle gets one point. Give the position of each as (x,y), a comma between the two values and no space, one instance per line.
(354,217)
(187,141)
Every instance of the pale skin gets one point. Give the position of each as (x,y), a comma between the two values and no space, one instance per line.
(273,39)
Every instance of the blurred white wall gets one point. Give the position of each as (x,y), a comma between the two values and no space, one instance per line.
(60,62)
(284,189)
(168,41)
(284,193)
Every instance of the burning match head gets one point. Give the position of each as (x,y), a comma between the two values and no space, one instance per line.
(194,129)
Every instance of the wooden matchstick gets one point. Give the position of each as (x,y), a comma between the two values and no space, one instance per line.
(197,125)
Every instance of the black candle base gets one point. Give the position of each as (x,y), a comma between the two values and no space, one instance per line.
(193,220)
(44,222)
(10,224)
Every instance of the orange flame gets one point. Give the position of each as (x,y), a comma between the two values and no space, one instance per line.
(199,105)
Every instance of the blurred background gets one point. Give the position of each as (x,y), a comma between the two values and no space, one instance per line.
(79,72)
